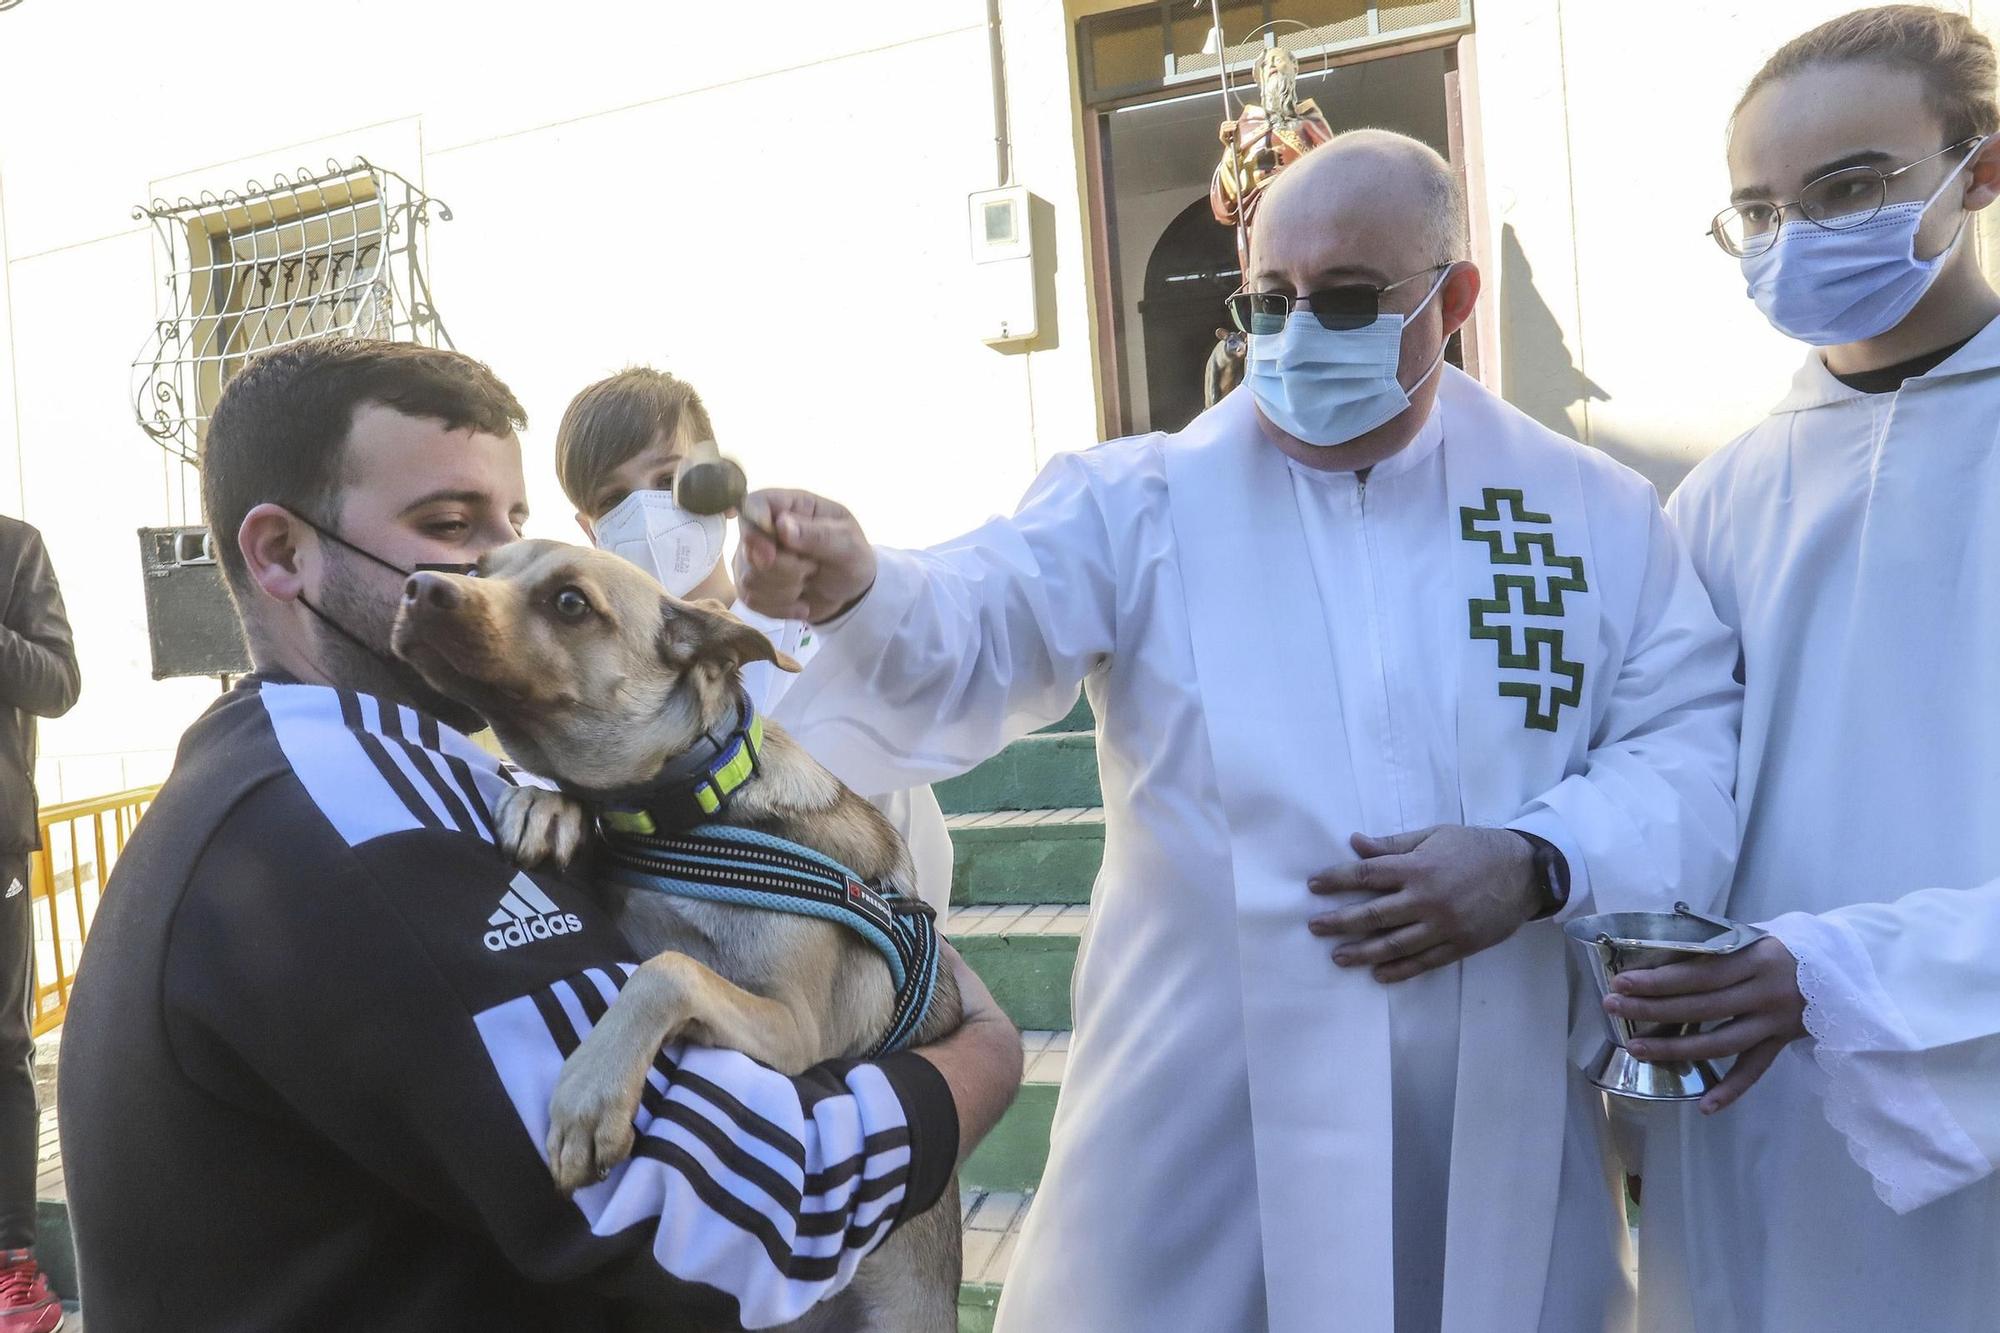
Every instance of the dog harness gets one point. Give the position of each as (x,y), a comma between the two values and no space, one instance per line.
(721,863)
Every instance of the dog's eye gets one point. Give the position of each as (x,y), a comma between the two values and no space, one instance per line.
(571,604)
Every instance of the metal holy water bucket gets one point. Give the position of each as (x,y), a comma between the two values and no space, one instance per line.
(1614,942)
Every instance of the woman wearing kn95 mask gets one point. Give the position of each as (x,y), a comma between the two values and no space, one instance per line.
(621,443)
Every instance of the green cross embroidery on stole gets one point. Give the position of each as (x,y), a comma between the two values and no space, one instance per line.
(1530,583)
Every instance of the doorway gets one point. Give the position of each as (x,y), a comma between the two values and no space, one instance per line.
(1170,264)
(1190,273)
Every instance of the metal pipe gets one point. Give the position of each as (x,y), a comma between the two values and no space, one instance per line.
(996,60)
(1235,161)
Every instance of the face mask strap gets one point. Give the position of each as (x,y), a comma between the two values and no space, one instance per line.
(340,629)
(1443,342)
(1952,175)
(330,535)
(469,570)
(401,670)
(1964,214)
(1431,295)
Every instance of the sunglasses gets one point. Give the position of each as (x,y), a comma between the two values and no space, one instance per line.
(1350,305)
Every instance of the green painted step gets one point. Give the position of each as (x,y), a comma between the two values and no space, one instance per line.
(992,1220)
(1079,718)
(1025,856)
(1024,955)
(1044,772)
(1013,1155)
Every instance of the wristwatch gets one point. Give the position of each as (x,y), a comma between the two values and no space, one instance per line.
(1551,876)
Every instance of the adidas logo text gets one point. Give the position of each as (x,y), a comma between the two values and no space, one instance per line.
(525,915)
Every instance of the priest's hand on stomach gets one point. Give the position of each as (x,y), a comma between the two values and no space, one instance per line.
(1752,996)
(1445,893)
(802,557)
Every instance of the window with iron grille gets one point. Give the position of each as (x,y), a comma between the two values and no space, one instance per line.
(1130,53)
(340,251)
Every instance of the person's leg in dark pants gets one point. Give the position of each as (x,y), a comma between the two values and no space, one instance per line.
(25,1302)
(19,1116)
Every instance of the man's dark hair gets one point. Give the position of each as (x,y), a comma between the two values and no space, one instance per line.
(279,432)
(615,418)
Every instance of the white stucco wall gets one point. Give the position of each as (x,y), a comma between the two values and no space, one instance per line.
(774,209)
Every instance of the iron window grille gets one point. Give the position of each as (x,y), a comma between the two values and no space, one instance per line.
(338,252)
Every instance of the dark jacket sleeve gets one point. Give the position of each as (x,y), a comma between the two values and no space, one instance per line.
(358,989)
(38,671)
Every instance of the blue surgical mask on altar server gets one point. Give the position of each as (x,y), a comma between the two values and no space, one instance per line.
(1328,386)
(1846,285)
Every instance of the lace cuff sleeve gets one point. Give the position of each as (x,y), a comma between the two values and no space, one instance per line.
(1878,1095)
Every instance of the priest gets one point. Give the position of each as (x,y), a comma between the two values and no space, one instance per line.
(1842,1178)
(1388,679)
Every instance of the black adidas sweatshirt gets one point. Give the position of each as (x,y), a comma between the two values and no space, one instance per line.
(306,1070)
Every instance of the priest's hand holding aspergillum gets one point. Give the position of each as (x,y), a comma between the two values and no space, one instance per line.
(802,557)
(1443,894)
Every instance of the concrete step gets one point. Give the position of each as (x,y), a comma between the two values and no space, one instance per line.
(1041,772)
(1025,955)
(992,1220)
(1025,856)
(55,1250)
(1014,1154)
(1079,718)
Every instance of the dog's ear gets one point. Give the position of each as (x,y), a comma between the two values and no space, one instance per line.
(707,631)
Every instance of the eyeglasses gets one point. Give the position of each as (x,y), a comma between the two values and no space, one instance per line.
(1836,201)
(1351,305)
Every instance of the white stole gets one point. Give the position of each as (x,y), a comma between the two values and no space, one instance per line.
(1317,1036)
(1513,1064)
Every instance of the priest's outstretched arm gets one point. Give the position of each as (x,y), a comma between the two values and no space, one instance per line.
(962,648)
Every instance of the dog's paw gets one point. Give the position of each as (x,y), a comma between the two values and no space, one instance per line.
(590,1130)
(539,827)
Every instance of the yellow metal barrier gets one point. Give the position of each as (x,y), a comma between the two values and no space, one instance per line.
(81,841)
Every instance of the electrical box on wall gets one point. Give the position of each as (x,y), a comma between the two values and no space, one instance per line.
(1003,265)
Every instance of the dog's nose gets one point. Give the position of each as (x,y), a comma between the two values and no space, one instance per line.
(432,590)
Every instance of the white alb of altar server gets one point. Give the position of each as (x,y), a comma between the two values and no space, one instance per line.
(1857,543)
(1853,538)
(1494,627)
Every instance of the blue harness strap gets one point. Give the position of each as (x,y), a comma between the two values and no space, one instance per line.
(722,863)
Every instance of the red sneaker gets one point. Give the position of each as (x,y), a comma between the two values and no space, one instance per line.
(26,1303)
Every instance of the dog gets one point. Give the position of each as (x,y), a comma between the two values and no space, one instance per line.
(593,676)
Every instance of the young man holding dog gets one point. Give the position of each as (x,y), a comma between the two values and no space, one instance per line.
(1360,602)
(620,444)
(309,1053)
(1853,540)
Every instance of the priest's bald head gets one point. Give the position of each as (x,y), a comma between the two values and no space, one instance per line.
(1368,210)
